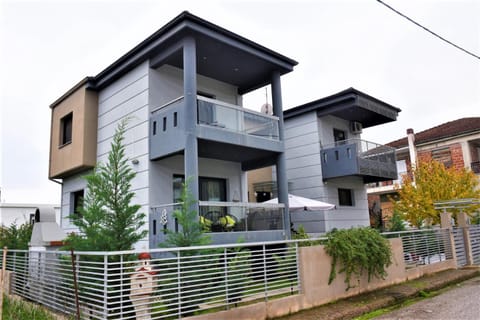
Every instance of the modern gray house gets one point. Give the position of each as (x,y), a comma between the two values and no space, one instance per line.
(182,88)
(327,160)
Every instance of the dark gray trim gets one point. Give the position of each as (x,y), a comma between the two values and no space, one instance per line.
(345,99)
(184,24)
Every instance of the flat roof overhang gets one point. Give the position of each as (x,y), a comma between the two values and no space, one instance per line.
(221,54)
(352,105)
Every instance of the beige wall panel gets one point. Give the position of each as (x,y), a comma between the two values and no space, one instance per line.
(81,152)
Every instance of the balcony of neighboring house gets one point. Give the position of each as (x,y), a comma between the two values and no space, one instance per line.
(226,222)
(224,131)
(354,157)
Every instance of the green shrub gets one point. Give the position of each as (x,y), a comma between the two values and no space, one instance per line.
(358,250)
(16,237)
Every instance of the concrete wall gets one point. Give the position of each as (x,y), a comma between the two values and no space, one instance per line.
(314,266)
(128,97)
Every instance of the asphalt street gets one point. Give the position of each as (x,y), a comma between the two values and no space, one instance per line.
(460,303)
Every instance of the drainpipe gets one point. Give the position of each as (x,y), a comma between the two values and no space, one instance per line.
(411,148)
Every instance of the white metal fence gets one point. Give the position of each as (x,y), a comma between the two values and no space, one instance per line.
(166,284)
(422,247)
(179,282)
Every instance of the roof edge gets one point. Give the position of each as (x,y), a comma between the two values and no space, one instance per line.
(347,94)
(88,81)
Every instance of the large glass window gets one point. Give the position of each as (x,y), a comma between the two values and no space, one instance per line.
(210,189)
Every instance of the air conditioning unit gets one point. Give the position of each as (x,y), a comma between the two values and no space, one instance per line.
(355,127)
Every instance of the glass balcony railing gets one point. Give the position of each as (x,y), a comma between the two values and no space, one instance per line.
(237,216)
(223,217)
(234,118)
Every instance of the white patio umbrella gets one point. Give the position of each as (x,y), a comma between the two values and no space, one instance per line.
(301,203)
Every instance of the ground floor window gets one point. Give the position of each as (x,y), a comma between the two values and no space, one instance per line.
(76,201)
(345,197)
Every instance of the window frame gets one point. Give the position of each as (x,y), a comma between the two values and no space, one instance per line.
(66,130)
(350,195)
(76,200)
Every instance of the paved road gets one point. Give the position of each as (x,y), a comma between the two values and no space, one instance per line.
(459,303)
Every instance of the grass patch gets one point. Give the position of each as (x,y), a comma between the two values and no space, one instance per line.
(17,309)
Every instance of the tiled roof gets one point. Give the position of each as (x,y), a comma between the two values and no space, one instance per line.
(445,130)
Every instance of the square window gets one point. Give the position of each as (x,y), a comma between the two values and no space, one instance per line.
(66,129)
(345,197)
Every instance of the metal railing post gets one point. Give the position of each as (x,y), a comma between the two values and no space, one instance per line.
(179,284)
(265,279)
(105,286)
(297,254)
(226,276)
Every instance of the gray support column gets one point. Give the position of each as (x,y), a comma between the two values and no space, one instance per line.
(190,98)
(282,182)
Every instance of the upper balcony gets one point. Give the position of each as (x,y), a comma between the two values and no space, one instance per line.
(224,131)
(355,157)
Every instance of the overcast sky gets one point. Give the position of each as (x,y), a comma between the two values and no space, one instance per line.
(46,47)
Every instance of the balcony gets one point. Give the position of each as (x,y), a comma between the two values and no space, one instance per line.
(355,157)
(225,222)
(224,131)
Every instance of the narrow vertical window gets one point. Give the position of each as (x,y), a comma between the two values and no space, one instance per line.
(164,123)
(66,124)
(349,153)
(175,119)
(336,155)
(154,226)
(154,129)
(77,201)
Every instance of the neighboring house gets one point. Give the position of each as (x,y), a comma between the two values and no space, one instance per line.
(455,143)
(21,213)
(328,161)
(182,88)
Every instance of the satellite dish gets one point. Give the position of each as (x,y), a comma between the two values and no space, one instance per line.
(267,109)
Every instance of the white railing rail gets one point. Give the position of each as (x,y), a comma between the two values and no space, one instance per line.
(178,282)
(422,247)
(170,283)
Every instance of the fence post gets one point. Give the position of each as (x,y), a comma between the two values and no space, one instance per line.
(462,223)
(226,276)
(446,223)
(105,286)
(265,278)
(2,283)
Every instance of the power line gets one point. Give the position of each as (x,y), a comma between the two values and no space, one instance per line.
(430,31)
